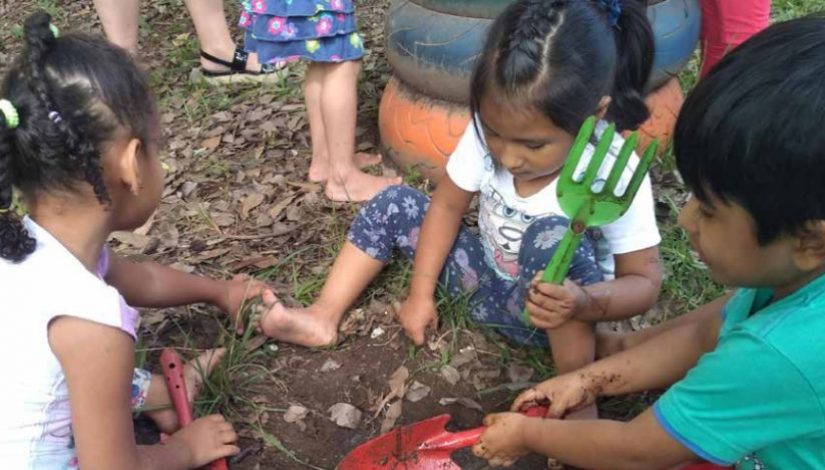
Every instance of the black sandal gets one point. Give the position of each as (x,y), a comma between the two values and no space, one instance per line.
(237,72)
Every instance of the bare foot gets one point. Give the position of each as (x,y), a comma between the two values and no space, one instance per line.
(303,326)
(194,372)
(364,160)
(319,167)
(357,187)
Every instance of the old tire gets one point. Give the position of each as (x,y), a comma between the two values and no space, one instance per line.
(420,132)
(435,52)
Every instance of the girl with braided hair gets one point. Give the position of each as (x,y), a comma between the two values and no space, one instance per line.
(79,136)
(547,65)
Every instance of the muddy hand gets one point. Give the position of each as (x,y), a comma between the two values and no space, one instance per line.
(562,394)
(551,305)
(502,443)
(416,315)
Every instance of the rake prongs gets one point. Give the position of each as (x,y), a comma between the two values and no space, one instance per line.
(577,150)
(599,155)
(620,165)
(641,169)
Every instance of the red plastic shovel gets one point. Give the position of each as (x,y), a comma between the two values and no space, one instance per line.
(173,373)
(425,445)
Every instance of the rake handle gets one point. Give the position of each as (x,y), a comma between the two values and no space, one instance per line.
(459,440)
(176,384)
(559,265)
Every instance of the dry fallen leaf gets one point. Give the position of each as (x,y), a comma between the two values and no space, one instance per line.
(398,387)
(450,374)
(211,143)
(330,364)
(345,415)
(417,392)
(252,201)
(391,416)
(295,413)
(222,219)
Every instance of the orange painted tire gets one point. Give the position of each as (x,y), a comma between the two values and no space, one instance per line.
(664,105)
(420,132)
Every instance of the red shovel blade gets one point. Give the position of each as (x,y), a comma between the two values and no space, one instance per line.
(401,449)
(425,445)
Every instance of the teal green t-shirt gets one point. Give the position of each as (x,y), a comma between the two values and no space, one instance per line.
(758,399)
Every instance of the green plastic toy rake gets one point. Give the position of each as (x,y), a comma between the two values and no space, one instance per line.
(586,202)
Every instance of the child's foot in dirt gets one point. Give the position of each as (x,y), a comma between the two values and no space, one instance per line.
(302,326)
(358,187)
(319,167)
(194,372)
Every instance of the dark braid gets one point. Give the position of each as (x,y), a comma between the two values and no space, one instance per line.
(521,54)
(39,39)
(560,57)
(71,94)
(15,242)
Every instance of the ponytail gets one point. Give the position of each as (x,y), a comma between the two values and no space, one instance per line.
(15,242)
(634,46)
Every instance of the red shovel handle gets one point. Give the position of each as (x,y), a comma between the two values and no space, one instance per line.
(175,383)
(462,439)
(173,373)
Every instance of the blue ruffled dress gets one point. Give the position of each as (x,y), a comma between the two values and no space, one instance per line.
(313,30)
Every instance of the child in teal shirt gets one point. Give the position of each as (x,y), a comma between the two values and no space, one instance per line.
(747,371)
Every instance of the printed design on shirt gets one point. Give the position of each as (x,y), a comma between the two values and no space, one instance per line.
(502,229)
(751,462)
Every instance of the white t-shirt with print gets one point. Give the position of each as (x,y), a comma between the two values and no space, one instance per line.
(504,215)
(35,418)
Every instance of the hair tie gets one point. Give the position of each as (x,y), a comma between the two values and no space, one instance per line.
(55,117)
(54,30)
(614,11)
(9,113)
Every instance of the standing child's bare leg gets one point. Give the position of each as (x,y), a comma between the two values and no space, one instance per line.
(317,325)
(313,86)
(119,19)
(339,102)
(157,395)
(320,165)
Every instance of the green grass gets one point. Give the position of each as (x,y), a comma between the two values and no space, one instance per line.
(788,9)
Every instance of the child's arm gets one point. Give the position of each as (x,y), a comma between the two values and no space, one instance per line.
(639,444)
(656,363)
(438,233)
(97,361)
(152,285)
(633,291)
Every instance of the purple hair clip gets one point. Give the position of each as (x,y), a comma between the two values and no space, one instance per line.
(614,11)
(55,117)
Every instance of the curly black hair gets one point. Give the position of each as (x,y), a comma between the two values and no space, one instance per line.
(71,93)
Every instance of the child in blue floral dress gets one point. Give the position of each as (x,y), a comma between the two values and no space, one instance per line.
(322,32)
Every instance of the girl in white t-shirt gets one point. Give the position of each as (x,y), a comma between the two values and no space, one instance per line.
(78,138)
(547,65)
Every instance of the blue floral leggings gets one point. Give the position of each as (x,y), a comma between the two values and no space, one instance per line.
(392,220)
